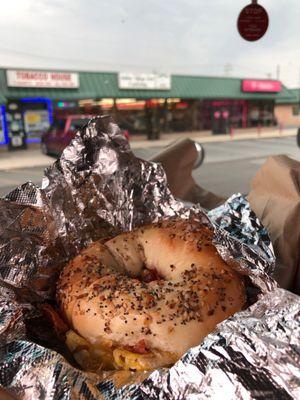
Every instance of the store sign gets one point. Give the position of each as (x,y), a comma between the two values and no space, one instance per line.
(263,86)
(144,81)
(42,79)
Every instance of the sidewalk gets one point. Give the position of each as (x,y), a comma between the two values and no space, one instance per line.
(34,158)
(207,137)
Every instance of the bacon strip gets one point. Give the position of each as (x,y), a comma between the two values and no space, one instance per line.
(139,348)
(54,318)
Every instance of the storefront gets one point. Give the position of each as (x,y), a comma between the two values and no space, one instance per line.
(3,130)
(141,103)
(287,111)
(27,111)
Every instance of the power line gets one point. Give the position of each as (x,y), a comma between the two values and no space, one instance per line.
(41,56)
(29,54)
(114,65)
(228,69)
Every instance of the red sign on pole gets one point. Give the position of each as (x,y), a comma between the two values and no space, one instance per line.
(253,22)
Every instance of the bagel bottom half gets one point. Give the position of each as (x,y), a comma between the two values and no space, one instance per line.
(139,301)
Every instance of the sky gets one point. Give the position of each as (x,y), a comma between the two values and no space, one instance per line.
(194,37)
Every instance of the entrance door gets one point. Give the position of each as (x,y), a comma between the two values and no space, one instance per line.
(220,116)
(15,125)
(36,117)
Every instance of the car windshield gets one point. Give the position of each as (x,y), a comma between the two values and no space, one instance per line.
(78,123)
(59,124)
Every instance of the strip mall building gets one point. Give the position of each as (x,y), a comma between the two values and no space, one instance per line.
(287,110)
(31,99)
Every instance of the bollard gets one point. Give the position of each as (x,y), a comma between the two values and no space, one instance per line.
(258,129)
(231,132)
(298,137)
(280,128)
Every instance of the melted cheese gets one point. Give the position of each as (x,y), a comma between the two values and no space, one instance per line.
(99,357)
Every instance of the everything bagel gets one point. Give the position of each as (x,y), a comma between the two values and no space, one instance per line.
(145,297)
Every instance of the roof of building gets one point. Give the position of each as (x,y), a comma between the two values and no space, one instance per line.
(294,99)
(105,85)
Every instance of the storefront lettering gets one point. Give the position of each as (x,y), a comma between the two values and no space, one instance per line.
(19,78)
(61,77)
(252,85)
(144,81)
(32,75)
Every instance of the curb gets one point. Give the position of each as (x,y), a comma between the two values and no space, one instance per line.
(33,158)
(144,144)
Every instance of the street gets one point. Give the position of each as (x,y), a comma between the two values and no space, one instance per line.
(228,167)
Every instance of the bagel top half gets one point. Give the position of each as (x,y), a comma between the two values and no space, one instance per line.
(163,285)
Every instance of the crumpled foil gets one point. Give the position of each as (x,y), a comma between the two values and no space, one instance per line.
(254,354)
(98,188)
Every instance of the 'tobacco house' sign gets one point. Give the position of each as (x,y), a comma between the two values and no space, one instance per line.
(129,80)
(42,79)
(259,85)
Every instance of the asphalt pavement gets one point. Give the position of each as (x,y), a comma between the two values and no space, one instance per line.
(228,167)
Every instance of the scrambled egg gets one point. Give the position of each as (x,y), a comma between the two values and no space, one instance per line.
(99,357)
(127,360)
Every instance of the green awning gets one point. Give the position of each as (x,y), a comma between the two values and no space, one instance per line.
(105,85)
(2,98)
(293,99)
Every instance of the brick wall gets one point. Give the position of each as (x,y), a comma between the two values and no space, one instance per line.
(284,115)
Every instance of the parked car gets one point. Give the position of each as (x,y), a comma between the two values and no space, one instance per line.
(62,131)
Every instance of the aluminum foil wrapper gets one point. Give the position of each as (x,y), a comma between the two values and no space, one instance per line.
(253,355)
(97,189)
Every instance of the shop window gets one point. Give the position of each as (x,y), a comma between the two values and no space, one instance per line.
(296,111)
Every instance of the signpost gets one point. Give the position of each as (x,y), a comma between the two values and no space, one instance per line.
(253,22)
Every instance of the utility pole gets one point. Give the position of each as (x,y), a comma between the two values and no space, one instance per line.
(298,91)
(278,72)
(228,69)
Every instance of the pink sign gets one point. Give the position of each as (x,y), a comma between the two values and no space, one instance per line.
(267,86)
